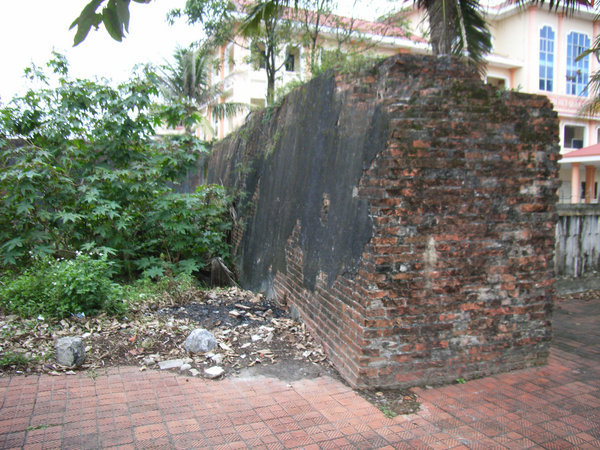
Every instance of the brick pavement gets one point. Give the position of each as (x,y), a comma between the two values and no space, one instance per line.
(555,406)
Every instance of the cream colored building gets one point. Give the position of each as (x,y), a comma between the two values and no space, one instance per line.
(246,83)
(534,50)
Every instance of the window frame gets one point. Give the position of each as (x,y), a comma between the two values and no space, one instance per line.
(577,72)
(544,81)
(575,125)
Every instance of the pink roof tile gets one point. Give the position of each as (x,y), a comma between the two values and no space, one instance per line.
(591,150)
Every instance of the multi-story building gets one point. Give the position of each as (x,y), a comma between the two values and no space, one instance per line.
(245,81)
(535,50)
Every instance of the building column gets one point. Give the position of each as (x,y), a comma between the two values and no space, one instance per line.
(590,176)
(575,183)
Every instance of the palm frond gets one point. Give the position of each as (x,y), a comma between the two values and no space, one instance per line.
(592,106)
(567,6)
(475,37)
(229,109)
(187,91)
(257,13)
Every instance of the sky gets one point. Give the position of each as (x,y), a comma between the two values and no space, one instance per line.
(31,29)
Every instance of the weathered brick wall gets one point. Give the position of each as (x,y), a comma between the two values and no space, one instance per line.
(454,277)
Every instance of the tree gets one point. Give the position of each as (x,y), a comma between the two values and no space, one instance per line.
(270,29)
(83,171)
(267,31)
(457,27)
(186,88)
(312,16)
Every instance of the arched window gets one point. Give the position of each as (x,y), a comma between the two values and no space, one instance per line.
(546,59)
(577,70)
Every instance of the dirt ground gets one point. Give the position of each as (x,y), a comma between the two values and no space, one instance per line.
(256,338)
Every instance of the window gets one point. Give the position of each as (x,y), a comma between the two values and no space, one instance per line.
(292,58)
(546,58)
(497,82)
(594,191)
(573,136)
(577,71)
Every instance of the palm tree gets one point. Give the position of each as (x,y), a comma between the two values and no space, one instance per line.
(187,90)
(458,27)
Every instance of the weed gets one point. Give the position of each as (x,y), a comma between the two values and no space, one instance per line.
(387,412)
(42,427)
(12,359)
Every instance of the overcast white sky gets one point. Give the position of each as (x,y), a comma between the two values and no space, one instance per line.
(31,29)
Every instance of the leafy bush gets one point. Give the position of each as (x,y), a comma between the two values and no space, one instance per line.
(60,288)
(162,291)
(347,63)
(82,170)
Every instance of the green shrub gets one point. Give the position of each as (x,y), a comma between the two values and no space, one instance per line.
(61,288)
(347,63)
(82,170)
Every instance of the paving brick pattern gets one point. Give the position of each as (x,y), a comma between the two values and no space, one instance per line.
(554,406)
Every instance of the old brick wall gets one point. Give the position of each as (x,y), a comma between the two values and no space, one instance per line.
(438,263)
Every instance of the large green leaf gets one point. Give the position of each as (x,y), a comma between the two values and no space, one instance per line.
(88,18)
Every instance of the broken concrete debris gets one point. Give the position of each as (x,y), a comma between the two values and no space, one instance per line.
(214,372)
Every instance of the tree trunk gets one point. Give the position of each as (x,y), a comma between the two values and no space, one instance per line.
(442,14)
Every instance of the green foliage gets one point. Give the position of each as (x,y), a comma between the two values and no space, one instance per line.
(284,90)
(217,18)
(60,288)
(161,291)
(114,16)
(82,170)
(12,359)
(388,412)
(347,63)
(186,88)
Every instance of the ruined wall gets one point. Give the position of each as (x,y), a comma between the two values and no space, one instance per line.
(407,216)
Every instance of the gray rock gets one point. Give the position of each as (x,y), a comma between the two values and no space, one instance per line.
(170,364)
(70,351)
(200,341)
(185,367)
(214,372)
(195,372)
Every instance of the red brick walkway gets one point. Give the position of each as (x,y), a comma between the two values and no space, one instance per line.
(555,406)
